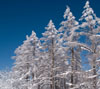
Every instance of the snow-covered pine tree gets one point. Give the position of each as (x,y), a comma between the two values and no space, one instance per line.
(70,40)
(48,42)
(53,63)
(24,62)
(90,28)
(35,43)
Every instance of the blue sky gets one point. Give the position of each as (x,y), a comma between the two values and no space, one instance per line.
(19,17)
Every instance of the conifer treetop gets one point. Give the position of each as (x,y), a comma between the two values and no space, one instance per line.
(88,13)
(50,25)
(70,18)
(50,30)
(68,14)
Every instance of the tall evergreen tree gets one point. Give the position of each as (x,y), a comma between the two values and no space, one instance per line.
(52,48)
(90,28)
(70,38)
(24,61)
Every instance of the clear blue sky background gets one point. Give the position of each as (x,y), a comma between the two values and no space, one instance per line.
(19,17)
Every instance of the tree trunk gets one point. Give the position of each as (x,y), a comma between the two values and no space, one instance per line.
(64,79)
(94,67)
(94,60)
(72,66)
(52,66)
(94,79)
